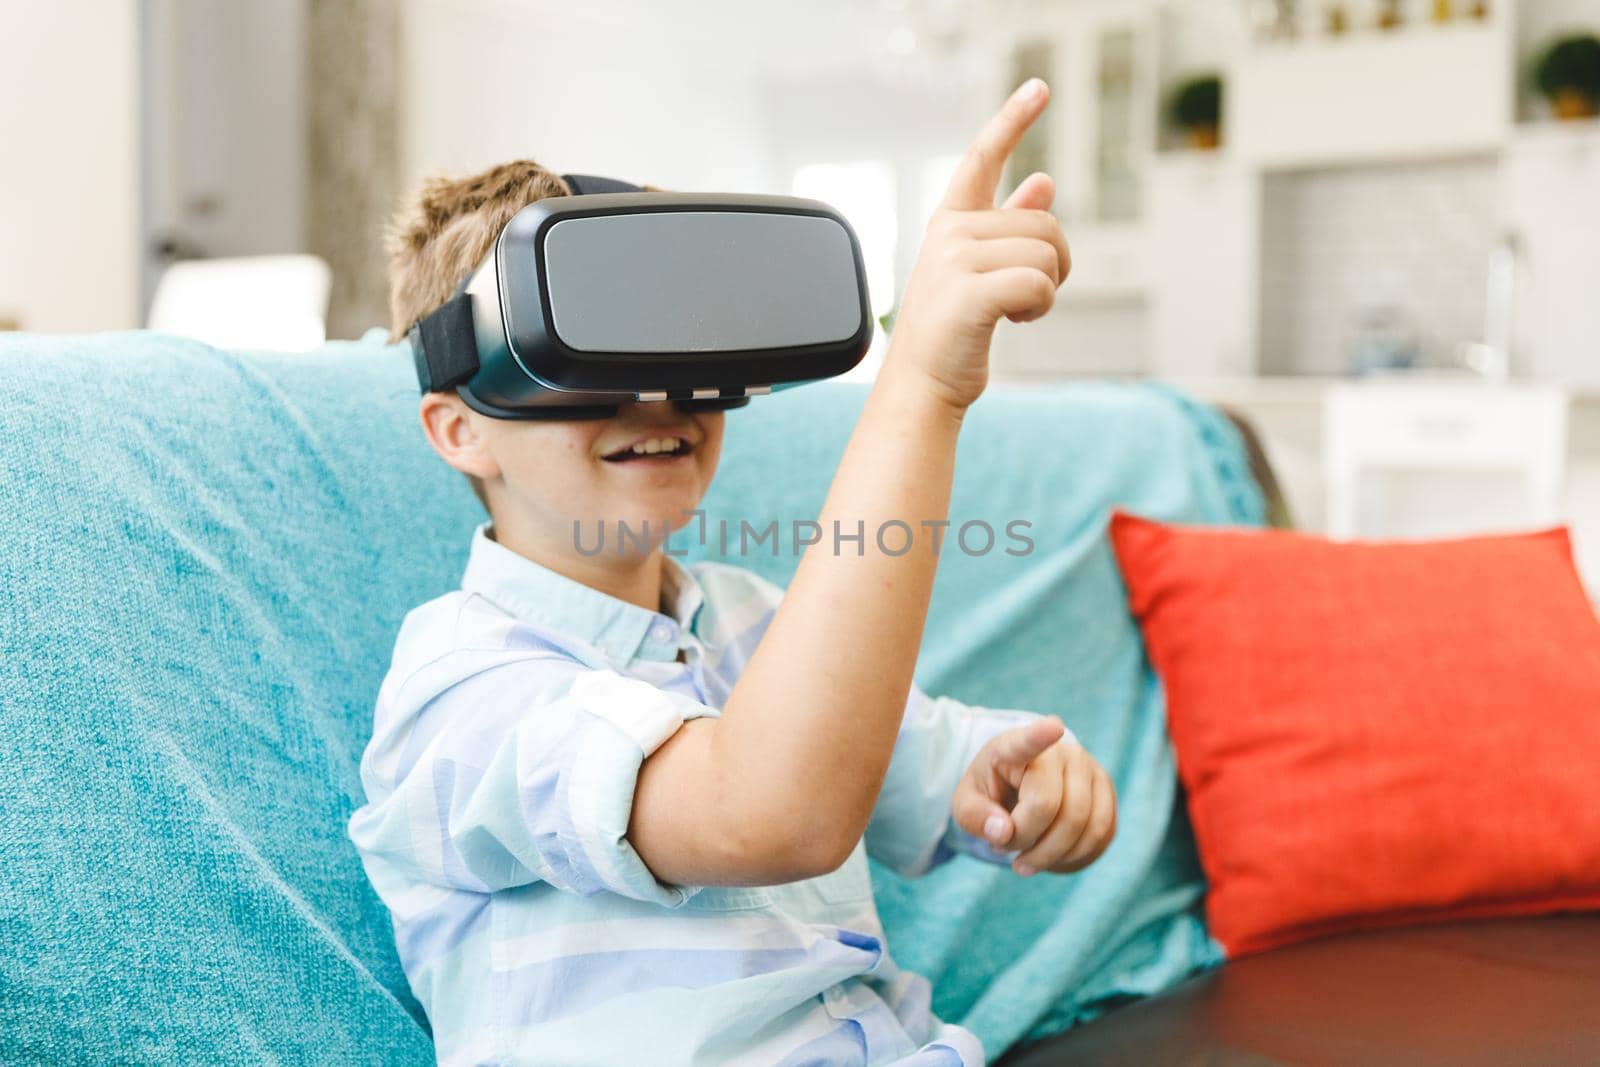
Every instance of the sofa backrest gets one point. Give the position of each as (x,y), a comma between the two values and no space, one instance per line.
(205,560)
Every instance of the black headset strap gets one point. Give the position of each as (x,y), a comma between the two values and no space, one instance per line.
(585,184)
(444,343)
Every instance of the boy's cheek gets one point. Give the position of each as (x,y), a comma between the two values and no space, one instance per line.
(709,459)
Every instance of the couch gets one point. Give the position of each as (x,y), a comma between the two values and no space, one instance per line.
(207,555)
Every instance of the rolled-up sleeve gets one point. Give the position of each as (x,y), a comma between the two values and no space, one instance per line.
(523,772)
(911,829)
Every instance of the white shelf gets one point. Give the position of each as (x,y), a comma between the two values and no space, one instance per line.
(1419,92)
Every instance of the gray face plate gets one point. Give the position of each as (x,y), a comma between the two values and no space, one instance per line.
(696,281)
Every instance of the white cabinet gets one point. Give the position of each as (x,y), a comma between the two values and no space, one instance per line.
(1204,233)
(1552,202)
(1419,458)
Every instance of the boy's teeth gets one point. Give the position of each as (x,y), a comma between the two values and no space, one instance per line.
(656,444)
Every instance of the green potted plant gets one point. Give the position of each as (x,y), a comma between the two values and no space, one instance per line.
(1196,109)
(1568,74)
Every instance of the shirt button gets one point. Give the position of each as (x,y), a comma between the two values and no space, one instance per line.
(662,631)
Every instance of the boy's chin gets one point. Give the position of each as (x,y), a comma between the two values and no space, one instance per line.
(659,514)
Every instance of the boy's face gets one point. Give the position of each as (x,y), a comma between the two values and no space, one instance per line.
(649,463)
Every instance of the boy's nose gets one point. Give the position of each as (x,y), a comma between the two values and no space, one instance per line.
(666,411)
(649,410)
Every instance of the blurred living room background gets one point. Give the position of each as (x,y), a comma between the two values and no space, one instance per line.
(1370,226)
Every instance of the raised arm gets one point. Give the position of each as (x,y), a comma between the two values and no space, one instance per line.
(782,786)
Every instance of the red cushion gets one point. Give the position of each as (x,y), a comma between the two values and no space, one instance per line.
(1375,733)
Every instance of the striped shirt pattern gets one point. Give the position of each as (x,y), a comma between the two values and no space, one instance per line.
(508,738)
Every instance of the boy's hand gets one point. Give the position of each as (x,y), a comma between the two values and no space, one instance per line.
(979,262)
(1027,789)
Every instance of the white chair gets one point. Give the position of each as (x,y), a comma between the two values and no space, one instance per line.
(1442,458)
(252,302)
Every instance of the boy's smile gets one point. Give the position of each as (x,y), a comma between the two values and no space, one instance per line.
(554,485)
(650,462)
(657,448)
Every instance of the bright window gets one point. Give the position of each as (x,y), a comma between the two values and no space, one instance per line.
(863,192)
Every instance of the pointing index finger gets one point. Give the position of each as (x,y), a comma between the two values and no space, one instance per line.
(972,186)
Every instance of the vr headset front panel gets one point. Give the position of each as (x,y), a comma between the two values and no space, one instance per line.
(526,271)
(705,299)
(699,283)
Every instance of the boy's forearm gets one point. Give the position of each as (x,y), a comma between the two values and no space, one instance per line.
(816,712)
(784,782)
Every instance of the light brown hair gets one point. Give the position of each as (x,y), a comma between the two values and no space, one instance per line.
(448,226)
(445,229)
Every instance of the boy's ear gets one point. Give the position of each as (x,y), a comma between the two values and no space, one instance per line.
(453,431)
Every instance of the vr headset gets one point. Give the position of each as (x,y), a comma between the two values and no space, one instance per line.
(615,294)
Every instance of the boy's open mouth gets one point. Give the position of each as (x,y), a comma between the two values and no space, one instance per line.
(662,449)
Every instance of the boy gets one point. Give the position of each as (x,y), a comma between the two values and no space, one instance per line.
(620,809)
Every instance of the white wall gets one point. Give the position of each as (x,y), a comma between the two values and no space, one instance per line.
(720,96)
(586,89)
(69,186)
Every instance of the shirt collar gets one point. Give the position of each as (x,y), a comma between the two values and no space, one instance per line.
(536,594)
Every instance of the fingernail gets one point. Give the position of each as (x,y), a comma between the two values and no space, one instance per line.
(993,827)
(1023,869)
(1032,88)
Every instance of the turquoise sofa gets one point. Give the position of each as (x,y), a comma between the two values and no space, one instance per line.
(205,559)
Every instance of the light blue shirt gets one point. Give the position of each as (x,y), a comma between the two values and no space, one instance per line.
(508,738)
